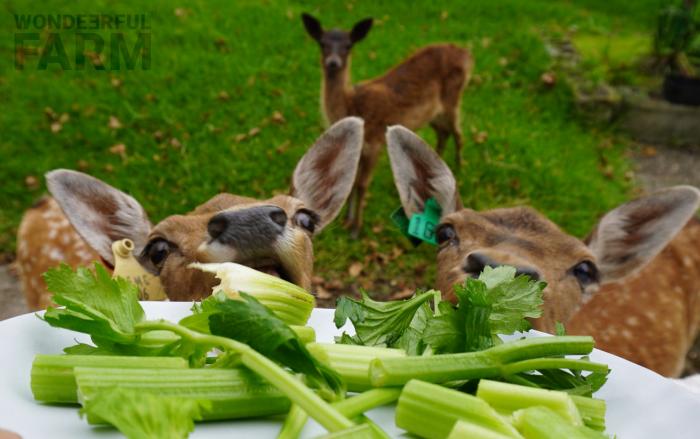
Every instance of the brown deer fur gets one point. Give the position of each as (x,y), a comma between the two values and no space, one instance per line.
(634,284)
(425,88)
(85,215)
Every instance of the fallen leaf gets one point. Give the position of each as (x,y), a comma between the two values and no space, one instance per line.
(239,138)
(223,95)
(253,132)
(158,135)
(403,294)
(282,148)
(322,293)
(277,117)
(83,165)
(480,137)
(503,61)
(116,82)
(118,149)
(548,78)
(56,127)
(355,269)
(114,123)
(649,151)
(444,15)
(378,228)
(485,42)
(175,143)
(109,167)
(31,182)
(372,55)
(64,118)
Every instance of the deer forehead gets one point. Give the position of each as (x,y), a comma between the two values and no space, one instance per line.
(518,231)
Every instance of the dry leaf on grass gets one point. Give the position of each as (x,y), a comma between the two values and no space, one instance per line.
(355,269)
(114,123)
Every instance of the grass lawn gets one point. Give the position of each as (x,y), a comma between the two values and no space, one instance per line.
(220,70)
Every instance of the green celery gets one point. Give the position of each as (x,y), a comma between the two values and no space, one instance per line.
(542,423)
(228,393)
(310,402)
(306,334)
(53,380)
(293,423)
(507,398)
(350,407)
(488,363)
(467,430)
(431,411)
(362,431)
(352,362)
(592,411)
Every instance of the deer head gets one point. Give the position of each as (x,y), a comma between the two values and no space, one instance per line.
(624,240)
(335,43)
(272,235)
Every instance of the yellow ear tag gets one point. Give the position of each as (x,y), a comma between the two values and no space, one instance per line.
(126,266)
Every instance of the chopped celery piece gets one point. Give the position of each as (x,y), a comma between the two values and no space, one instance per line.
(467,430)
(542,423)
(293,423)
(507,398)
(52,378)
(489,363)
(229,393)
(430,411)
(352,361)
(306,334)
(592,411)
(362,431)
(288,301)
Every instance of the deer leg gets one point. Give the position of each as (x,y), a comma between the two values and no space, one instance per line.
(457,136)
(365,171)
(442,135)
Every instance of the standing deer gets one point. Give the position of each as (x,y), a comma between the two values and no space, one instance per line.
(633,284)
(85,215)
(425,88)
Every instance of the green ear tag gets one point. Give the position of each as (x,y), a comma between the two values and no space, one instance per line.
(422,225)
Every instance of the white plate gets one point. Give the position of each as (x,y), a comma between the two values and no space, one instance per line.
(641,404)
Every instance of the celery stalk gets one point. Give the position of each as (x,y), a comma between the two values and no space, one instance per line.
(542,423)
(232,393)
(507,398)
(53,380)
(489,363)
(467,430)
(430,411)
(352,362)
(362,431)
(306,334)
(293,423)
(592,411)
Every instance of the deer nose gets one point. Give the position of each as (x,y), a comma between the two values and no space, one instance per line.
(476,262)
(334,62)
(248,228)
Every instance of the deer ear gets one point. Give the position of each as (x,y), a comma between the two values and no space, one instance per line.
(325,175)
(100,213)
(420,173)
(631,235)
(360,29)
(312,25)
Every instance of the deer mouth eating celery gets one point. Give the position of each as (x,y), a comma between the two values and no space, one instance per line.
(236,356)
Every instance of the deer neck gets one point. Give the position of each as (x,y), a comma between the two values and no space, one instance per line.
(336,93)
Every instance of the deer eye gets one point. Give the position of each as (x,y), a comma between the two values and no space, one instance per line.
(445,234)
(586,273)
(157,251)
(306,219)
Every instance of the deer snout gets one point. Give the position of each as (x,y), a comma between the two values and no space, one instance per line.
(248,229)
(333,62)
(477,261)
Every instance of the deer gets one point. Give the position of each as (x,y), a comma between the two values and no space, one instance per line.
(84,215)
(633,283)
(426,88)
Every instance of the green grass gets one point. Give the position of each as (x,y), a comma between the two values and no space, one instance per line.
(536,151)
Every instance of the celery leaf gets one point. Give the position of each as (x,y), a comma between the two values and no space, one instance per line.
(144,415)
